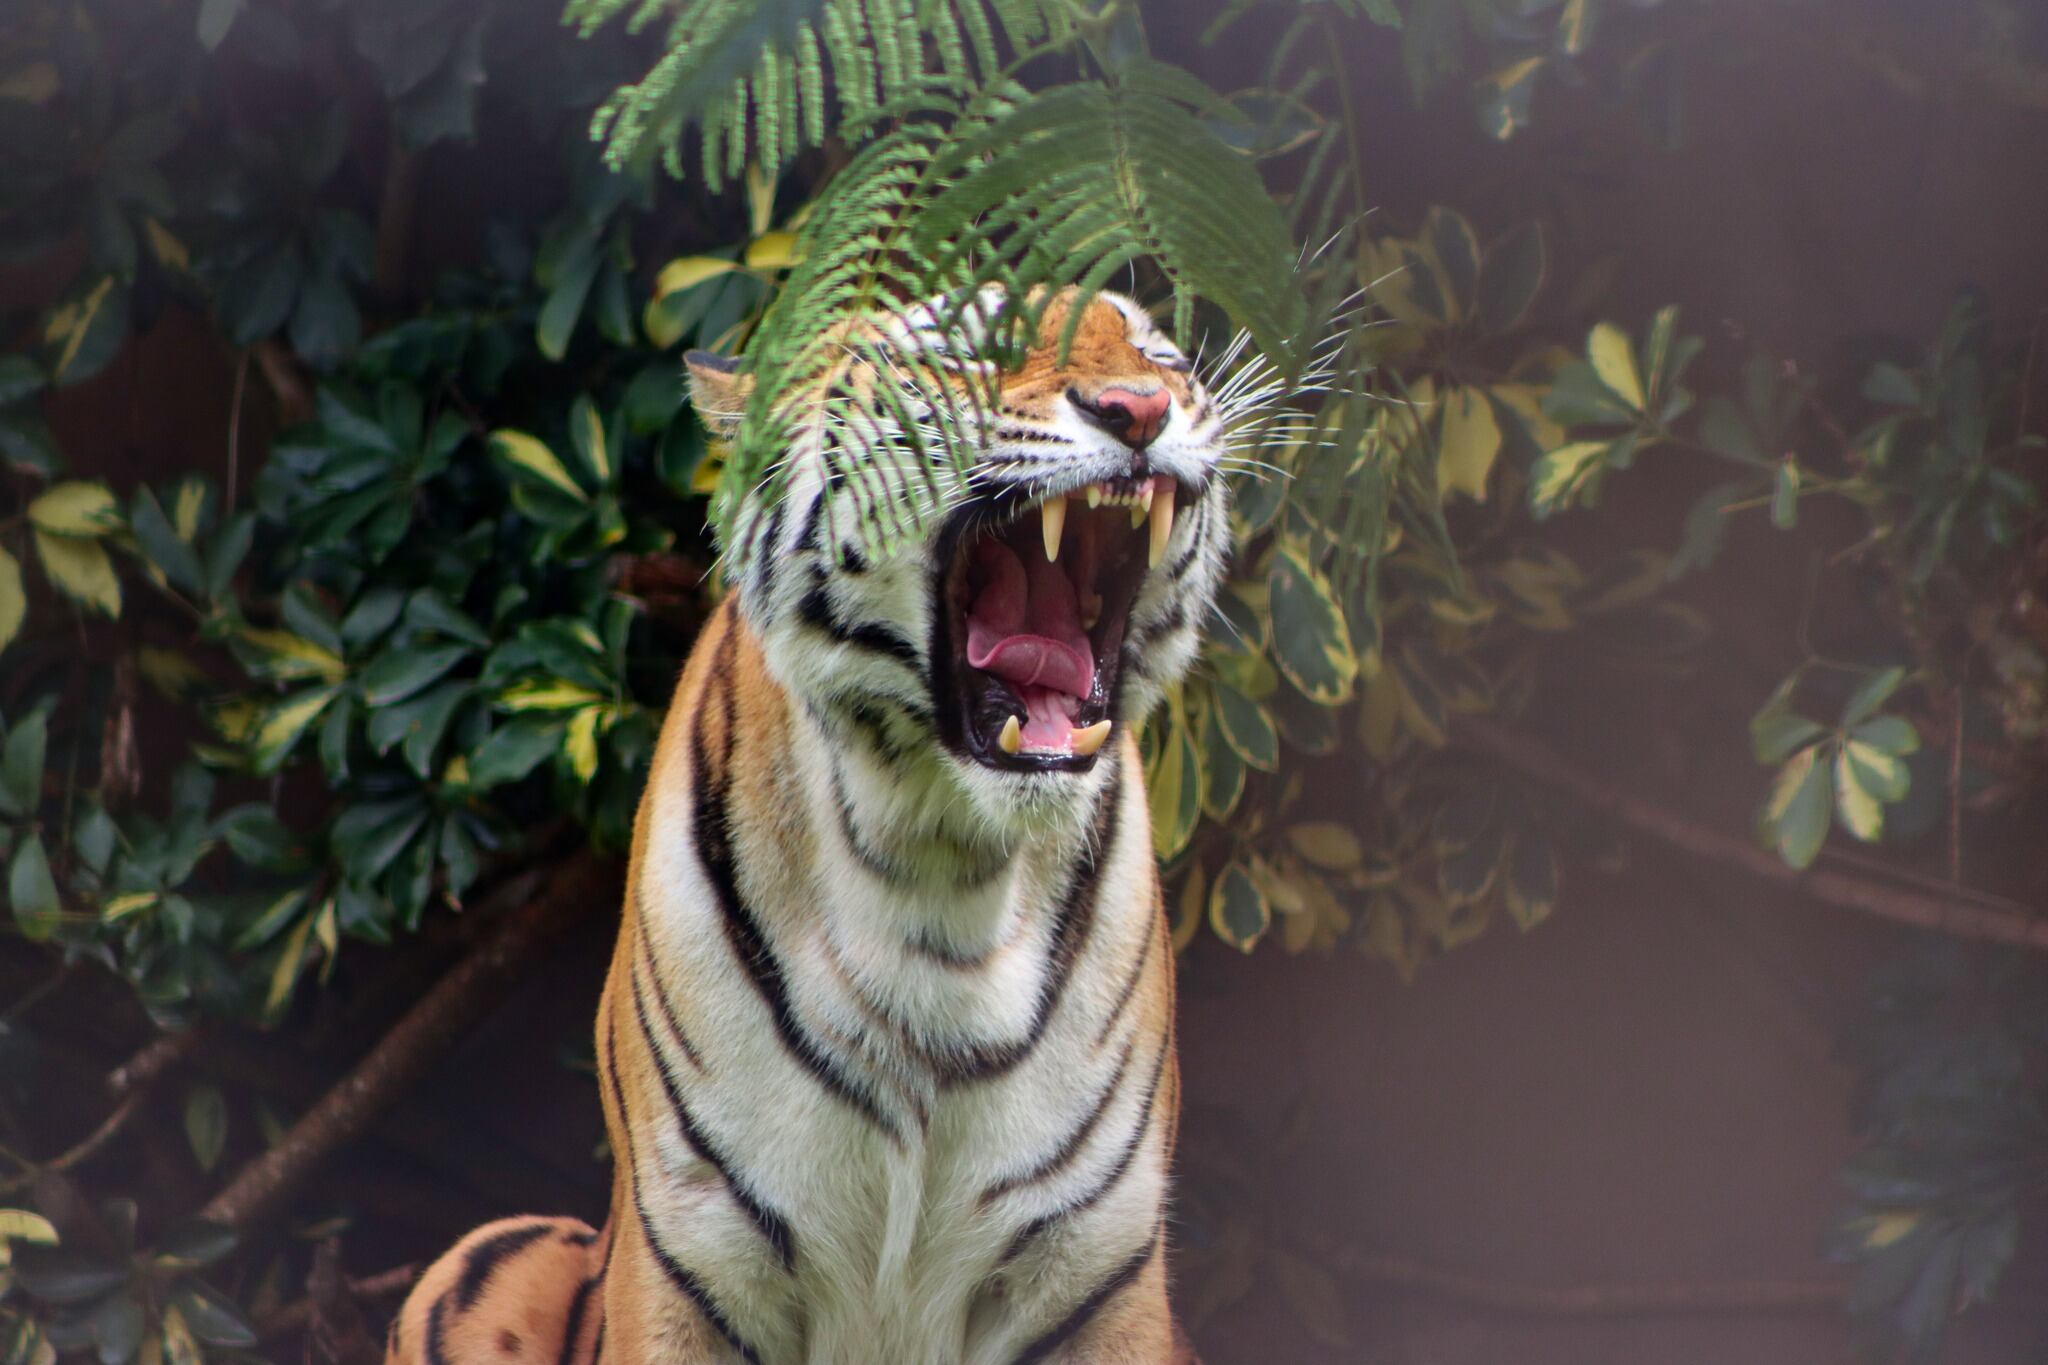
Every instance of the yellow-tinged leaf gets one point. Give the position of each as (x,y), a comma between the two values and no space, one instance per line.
(530,454)
(236,720)
(593,442)
(1513,74)
(1861,813)
(81,568)
(191,501)
(773,251)
(580,742)
(1573,23)
(1889,1229)
(77,508)
(1379,721)
(1559,475)
(1187,917)
(19,1225)
(1326,844)
(294,657)
(456,774)
(327,929)
(167,248)
(120,907)
(286,722)
(1614,360)
(285,974)
(687,272)
(13,598)
(31,84)
(70,324)
(1789,780)
(1471,442)
(180,1346)
(1527,402)
(551,694)
(170,672)
(760,198)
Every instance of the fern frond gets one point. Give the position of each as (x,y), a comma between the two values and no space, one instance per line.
(798,67)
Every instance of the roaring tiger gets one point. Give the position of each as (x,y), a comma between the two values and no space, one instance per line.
(887,1046)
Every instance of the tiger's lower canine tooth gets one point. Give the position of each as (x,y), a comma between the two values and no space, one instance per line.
(1086,742)
(1052,520)
(1011,740)
(1162,521)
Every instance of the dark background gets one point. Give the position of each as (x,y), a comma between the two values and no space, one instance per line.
(1642,1092)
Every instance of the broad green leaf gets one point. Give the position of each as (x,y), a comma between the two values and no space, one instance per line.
(1774,731)
(1471,442)
(21,766)
(80,568)
(1247,727)
(32,890)
(1893,734)
(586,438)
(1873,692)
(271,922)
(687,272)
(399,672)
(209,1317)
(206,1125)
(1512,277)
(122,907)
(1615,362)
(1884,775)
(76,508)
(1327,844)
(1174,782)
(284,974)
(13,598)
(1238,910)
(1799,808)
(528,453)
(514,750)
(1311,640)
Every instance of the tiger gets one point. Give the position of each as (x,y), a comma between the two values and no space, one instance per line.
(886,1050)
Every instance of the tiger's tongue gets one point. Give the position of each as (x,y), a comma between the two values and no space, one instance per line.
(1025,627)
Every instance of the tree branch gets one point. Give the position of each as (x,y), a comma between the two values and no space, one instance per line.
(1957,915)
(293,1316)
(425,1032)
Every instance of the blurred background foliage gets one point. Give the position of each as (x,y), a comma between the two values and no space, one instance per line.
(288,723)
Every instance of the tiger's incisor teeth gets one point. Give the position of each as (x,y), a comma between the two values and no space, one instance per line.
(1011,740)
(1052,520)
(1086,742)
(1162,520)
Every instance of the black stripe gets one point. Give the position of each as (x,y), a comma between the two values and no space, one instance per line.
(1084,1313)
(678,1274)
(597,1347)
(486,1256)
(1070,1148)
(1072,924)
(578,1305)
(816,610)
(713,841)
(580,1239)
(1130,987)
(1112,1176)
(668,1011)
(807,538)
(765,557)
(437,1351)
(771,1224)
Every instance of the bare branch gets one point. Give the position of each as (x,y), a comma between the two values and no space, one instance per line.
(420,1036)
(1963,916)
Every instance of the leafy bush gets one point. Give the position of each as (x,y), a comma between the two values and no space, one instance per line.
(412,638)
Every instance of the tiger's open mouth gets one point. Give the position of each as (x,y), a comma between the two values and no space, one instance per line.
(1033,605)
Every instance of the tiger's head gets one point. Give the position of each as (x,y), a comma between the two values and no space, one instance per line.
(1057,589)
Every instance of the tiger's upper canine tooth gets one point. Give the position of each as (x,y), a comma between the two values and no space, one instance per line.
(1162,520)
(1140,509)
(1086,742)
(1052,520)
(1011,740)
(1095,495)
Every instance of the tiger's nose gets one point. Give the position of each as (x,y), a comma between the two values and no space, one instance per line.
(1132,417)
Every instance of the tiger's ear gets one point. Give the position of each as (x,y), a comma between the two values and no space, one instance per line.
(718,391)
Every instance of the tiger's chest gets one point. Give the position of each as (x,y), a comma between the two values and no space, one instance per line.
(881,1114)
